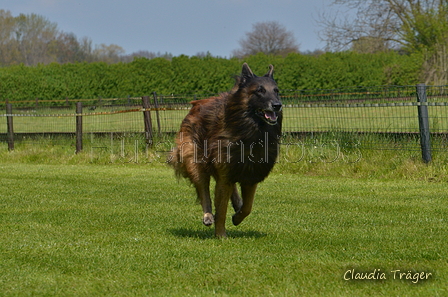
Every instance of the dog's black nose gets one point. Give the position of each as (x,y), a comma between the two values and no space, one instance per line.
(277,107)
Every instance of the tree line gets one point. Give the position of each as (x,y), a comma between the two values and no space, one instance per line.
(33,39)
(387,42)
(407,26)
(203,75)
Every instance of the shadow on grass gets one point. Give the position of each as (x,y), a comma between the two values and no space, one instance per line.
(210,233)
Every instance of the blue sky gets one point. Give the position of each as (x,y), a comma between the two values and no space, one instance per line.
(176,26)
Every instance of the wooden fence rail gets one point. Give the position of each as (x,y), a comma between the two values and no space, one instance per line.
(9,126)
(79,123)
(303,117)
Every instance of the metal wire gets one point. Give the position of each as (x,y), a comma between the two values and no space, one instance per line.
(375,118)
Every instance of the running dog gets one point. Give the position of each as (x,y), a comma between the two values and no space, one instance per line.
(233,138)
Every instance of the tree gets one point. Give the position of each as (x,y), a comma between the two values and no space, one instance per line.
(34,35)
(146,54)
(369,44)
(413,26)
(25,38)
(375,25)
(270,38)
(8,47)
(33,39)
(108,53)
(66,48)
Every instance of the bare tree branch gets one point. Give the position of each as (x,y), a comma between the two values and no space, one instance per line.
(393,24)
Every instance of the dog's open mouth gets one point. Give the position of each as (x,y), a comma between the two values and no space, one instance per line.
(269,116)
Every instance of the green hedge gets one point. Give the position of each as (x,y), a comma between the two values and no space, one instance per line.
(193,75)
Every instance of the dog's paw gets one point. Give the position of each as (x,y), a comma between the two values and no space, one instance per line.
(208,219)
(237,219)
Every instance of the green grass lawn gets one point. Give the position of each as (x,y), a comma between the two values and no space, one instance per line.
(129,230)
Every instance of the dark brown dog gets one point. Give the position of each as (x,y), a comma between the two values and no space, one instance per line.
(234,138)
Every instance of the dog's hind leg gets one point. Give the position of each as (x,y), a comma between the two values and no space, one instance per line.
(236,199)
(248,194)
(203,191)
(223,191)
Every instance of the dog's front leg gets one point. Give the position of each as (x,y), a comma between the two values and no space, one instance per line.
(203,191)
(223,191)
(248,195)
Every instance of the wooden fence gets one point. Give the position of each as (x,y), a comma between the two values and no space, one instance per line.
(400,110)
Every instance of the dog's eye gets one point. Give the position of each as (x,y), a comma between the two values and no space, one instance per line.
(276,90)
(261,90)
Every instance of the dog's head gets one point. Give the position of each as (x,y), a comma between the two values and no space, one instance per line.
(262,93)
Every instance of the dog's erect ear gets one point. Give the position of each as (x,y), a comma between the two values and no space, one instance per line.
(270,73)
(236,85)
(246,73)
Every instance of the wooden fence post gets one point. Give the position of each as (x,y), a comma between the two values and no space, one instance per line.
(147,120)
(78,127)
(10,128)
(423,123)
(156,105)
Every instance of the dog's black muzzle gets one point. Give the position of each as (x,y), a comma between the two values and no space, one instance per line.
(277,107)
(270,115)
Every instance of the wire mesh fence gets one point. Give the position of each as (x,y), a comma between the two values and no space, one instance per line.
(375,118)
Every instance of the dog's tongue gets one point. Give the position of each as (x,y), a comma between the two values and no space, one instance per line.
(270,115)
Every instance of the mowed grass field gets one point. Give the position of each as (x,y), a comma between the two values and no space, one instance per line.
(133,230)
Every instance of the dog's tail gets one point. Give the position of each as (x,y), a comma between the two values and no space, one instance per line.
(175,160)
